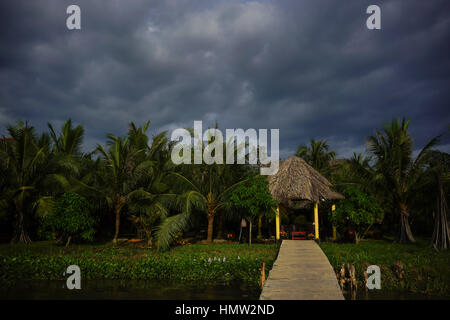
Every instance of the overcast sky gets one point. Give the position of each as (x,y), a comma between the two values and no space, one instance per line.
(310,68)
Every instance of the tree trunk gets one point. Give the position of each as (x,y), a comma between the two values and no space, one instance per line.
(441,236)
(220,227)
(250,233)
(120,201)
(259,227)
(356,238)
(20,234)
(210,227)
(117,209)
(405,234)
(240,231)
(68,241)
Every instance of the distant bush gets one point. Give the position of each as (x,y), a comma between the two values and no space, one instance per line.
(71,218)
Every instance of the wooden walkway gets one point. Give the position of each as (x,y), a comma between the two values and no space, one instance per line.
(301,272)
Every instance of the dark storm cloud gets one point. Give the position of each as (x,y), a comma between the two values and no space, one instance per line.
(309,68)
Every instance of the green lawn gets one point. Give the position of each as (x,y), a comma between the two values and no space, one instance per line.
(45,260)
(425,270)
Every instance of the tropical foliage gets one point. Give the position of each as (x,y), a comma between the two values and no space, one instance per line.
(396,169)
(133,187)
(317,154)
(358,211)
(70,218)
(253,200)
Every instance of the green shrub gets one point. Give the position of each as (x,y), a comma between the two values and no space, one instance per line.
(358,211)
(71,218)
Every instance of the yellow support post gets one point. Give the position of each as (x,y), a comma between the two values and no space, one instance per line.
(333,207)
(277,222)
(316,220)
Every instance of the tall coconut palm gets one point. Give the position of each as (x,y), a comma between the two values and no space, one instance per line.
(396,169)
(317,154)
(66,156)
(152,196)
(136,174)
(26,166)
(120,164)
(203,188)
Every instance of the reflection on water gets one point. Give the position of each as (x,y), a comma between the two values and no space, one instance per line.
(130,289)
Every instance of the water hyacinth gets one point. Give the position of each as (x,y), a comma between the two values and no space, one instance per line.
(209,260)
(223,259)
(239,258)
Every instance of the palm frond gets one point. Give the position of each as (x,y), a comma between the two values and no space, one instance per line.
(168,230)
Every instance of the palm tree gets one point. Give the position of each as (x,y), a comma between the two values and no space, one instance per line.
(200,188)
(70,139)
(396,169)
(210,203)
(207,192)
(26,166)
(317,154)
(66,156)
(120,164)
(152,196)
(137,177)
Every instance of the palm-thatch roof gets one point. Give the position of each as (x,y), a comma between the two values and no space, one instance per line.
(298,181)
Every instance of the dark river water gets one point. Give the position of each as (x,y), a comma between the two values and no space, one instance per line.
(166,290)
(129,289)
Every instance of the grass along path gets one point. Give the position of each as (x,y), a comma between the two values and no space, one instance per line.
(425,270)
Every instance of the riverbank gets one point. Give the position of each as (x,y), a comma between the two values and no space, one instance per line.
(218,262)
(413,268)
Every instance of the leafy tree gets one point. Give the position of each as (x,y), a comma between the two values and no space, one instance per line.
(358,211)
(254,198)
(71,217)
(396,170)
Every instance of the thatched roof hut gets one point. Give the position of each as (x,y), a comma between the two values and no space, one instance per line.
(298,181)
